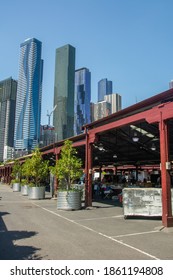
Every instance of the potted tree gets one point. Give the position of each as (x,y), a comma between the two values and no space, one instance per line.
(67,169)
(37,169)
(16,175)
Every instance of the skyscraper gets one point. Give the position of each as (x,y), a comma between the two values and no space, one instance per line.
(82,99)
(8,90)
(171,84)
(29,91)
(115,100)
(63,117)
(101,109)
(104,88)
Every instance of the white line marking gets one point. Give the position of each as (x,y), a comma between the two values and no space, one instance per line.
(101,234)
(99,218)
(6,201)
(136,233)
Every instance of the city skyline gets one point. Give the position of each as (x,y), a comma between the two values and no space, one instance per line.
(72,98)
(132,46)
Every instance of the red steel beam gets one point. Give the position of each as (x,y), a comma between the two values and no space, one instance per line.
(74,144)
(151,116)
(142,105)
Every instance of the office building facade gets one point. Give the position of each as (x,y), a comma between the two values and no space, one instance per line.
(47,135)
(101,109)
(82,99)
(63,116)
(8,91)
(115,100)
(29,92)
(171,84)
(104,88)
(92,111)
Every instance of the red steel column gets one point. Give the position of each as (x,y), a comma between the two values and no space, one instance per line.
(167,219)
(8,175)
(57,152)
(90,174)
(88,171)
(115,170)
(5,175)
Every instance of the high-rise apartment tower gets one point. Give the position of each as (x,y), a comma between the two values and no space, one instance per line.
(63,117)
(82,99)
(171,84)
(115,100)
(101,109)
(29,91)
(104,88)
(8,90)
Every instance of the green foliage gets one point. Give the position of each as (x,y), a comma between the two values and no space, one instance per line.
(24,182)
(9,160)
(36,168)
(26,173)
(16,170)
(15,181)
(68,167)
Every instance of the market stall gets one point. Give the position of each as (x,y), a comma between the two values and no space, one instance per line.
(143,201)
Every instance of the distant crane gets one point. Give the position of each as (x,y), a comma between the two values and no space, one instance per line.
(49,114)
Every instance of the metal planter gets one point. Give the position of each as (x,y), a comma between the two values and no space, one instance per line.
(69,200)
(24,190)
(16,187)
(36,192)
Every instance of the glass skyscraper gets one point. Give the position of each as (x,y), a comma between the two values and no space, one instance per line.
(82,99)
(29,91)
(104,88)
(8,90)
(63,116)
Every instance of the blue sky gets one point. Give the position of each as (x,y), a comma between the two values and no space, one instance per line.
(127,41)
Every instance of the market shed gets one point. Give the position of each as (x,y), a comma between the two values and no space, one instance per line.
(141,134)
(138,136)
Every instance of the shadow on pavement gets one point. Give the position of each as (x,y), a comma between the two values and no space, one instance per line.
(105,203)
(10,251)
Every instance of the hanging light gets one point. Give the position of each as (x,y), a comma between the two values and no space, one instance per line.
(114,156)
(135,137)
(153,147)
(96,158)
(100,147)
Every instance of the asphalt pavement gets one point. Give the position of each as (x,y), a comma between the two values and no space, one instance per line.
(37,230)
